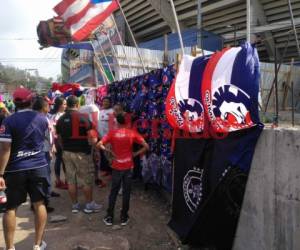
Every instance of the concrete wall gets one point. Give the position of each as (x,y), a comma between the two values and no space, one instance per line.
(270,218)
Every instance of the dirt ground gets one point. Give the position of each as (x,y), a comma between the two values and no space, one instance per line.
(147,229)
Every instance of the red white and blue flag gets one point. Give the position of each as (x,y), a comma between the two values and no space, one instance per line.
(230,89)
(184,105)
(219,93)
(82,17)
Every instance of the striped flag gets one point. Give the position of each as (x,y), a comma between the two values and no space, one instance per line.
(219,93)
(230,89)
(184,107)
(82,17)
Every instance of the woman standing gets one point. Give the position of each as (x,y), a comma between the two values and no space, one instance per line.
(58,110)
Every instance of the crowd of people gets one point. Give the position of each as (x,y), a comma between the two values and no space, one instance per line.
(82,141)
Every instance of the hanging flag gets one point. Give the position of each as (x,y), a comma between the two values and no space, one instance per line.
(210,177)
(82,17)
(230,89)
(184,107)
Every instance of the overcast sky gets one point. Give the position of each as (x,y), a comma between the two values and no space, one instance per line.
(18,20)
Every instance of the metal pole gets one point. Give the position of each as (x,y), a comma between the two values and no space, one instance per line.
(122,44)
(95,68)
(105,58)
(279,66)
(293,104)
(199,25)
(100,64)
(276,89)
(115,53)
(294,27)
(132,36)
(177,26)
(101,70)
(157,63)
(249,21)
(166,54)
(234,35)
(96,75)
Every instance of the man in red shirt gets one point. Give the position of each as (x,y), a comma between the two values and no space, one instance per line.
(121,140)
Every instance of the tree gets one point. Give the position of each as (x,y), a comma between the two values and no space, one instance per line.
(17,77)
(59,78)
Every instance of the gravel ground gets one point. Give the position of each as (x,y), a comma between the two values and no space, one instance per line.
(147,229)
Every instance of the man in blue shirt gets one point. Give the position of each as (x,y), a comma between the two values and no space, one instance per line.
(23,166)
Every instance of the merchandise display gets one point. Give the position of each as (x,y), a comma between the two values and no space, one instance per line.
(144,97)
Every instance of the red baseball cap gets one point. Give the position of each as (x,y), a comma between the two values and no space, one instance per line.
(22,95)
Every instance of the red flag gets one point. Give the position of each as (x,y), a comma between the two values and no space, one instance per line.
(82,17)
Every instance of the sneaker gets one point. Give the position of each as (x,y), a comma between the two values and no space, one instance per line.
(40,247)
(105,173)
(49,209)
(9,248)
(75,208)
(100,183)
(120,191)
(65,185)
(124,221)
(61,185)
(54,194)
(92,207)
(108,220)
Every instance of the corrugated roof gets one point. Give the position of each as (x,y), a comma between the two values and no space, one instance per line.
(222,17)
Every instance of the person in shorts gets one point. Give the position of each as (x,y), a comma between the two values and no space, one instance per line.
(76,135)
(23,166)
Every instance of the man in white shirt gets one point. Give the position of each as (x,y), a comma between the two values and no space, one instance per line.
(105,114)
(106,117)
(93,113)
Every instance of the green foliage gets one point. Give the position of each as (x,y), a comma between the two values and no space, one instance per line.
(16,77)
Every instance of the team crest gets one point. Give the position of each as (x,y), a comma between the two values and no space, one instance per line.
(230,89)
(193,188)
(184,105)
(218,92)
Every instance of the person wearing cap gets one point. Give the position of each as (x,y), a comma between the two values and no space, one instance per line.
(23,166)
(76,135)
